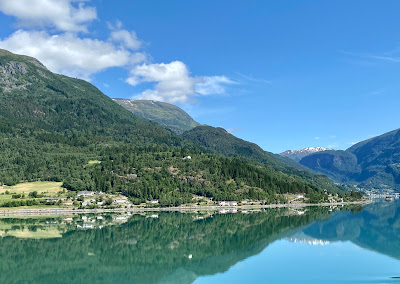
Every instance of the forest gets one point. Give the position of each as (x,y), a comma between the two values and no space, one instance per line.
(51,126)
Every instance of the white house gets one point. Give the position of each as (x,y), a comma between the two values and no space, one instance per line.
(85,193)
(223,203)
(233,203)
(120,218)
(120,200)
(187,158)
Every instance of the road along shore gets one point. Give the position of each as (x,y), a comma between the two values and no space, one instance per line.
(136,209)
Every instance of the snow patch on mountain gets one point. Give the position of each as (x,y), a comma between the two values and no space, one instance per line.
(297,155)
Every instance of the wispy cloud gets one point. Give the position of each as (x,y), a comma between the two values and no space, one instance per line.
(377,92)
(233,130)
(253,79)
(368,57)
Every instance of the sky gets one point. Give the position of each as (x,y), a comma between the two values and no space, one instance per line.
(282,74)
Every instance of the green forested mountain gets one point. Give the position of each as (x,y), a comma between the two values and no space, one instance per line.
(170,116)
(51,126)
(373,163)
(220,141)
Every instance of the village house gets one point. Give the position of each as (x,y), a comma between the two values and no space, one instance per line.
(68,203)
(120,218)
(120,200)
(85,193)
(187,158)
(51,199)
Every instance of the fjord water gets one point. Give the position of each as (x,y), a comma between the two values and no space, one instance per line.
(312,245)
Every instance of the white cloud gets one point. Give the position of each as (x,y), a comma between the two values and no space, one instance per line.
(69,54)
(174,83)
(126,39)
(64,15)
(317,138)
(213,85)
(60,47)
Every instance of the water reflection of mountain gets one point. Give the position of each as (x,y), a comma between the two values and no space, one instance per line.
(376,228)
(173,248)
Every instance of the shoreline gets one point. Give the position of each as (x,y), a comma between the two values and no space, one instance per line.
(195,208)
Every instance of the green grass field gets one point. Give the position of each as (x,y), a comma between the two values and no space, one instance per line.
(39,186)
(46,188)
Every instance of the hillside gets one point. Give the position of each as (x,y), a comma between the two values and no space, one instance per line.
(297,155)
(168,115)
(222,142)
(373,163)
(218,140)
(51,126)
(340,165)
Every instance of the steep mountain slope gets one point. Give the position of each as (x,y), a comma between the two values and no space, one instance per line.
(373,163)
(340,165)
(51,126)
(297,155)
(220,141)
(33,98)
(170,116)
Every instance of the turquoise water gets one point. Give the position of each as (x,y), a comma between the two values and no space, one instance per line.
(314,245)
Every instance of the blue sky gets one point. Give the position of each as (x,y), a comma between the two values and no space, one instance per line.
(282,74)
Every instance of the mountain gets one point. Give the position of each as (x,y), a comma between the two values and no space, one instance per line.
(339,165)
(46,104)
(218,140)
(297,155)
(373,163)
(51,126)
(168,115)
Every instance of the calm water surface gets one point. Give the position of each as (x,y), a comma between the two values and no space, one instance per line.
(314,245)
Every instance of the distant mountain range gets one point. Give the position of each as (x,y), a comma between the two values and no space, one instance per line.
(373,163)
(297,155)
(170,116)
